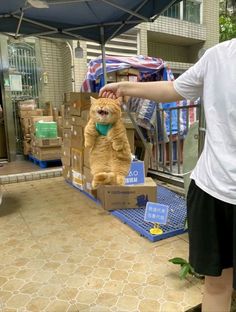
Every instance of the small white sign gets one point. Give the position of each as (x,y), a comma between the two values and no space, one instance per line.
(16,82)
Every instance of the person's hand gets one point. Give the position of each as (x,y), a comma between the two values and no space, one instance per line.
(111,90)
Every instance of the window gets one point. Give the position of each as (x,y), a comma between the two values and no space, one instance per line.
(173,11)
(191,11)
(188,10)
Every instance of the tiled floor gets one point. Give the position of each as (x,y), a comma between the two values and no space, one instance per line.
(61,252)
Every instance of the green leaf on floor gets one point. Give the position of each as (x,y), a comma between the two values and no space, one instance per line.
(184,271)
(177,260)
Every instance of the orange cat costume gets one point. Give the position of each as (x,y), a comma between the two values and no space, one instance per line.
(105,134)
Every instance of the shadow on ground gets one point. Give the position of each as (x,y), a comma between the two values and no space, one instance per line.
(9,205)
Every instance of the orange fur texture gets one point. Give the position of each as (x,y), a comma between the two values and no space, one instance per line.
(110,155)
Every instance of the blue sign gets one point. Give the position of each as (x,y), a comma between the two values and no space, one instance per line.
(136,173)
(156,213)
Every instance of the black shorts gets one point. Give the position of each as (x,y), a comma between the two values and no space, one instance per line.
(212,233)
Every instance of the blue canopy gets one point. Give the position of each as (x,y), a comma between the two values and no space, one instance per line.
(97,20)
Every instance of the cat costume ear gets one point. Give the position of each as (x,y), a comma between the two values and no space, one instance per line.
(92,100)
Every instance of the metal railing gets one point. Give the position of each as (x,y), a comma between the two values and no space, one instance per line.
(171,130)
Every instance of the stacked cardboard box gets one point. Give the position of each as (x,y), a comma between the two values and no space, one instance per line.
(75,158)
(46,145)
(27,109)
(75,115)
(42,147)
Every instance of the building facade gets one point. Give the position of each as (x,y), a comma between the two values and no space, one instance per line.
(50,69)
(177,37)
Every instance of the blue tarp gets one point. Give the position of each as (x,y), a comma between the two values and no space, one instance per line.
(73,18)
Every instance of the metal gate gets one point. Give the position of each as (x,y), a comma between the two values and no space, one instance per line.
(22,63)
(171,130)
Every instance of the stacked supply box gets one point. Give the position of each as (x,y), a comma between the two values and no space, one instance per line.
(27,109)
(40,133)
(73,136)
(46,145)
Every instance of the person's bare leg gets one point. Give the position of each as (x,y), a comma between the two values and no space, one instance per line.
(218,292)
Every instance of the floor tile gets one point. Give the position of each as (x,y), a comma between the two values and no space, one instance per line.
(61,252)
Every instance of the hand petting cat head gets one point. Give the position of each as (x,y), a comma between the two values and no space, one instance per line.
(105,110)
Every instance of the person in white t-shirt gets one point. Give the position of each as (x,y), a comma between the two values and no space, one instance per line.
(211,200)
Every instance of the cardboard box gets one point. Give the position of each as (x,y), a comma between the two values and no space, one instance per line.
(128,71)
(136,173)
(67,173)
(80,102)
(85,115)
(47,142)
(48,109)
(60,126)
(67,137)
(87,157)
(59,121)
(130,196)
(77,160)
(66,155)
(47,153)
(35,119)
(26,147)
(122,78)
(65,110)
(46,129)
(88,182)
(111,77)
(60,131)
(30,113)
(27,105)
(55,113)
(78,121)
(67,123)
(25,125)
(67,133)
(78,179)
(77,137)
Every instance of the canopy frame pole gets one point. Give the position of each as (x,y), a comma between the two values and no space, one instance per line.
(104,69)
(19,24)
(55,2)
(132,13)
(104,24)
(35,23)
(123,24)
(43,33)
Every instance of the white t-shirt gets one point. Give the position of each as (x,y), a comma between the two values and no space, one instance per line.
(214,78)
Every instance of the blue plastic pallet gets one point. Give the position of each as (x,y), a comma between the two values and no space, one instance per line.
(176,217)
(45,163)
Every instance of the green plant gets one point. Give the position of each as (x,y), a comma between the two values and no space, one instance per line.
(227,27)
(185,269)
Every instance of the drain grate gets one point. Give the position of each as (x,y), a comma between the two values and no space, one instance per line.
(176,217)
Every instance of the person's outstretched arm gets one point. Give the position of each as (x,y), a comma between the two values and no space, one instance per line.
(159,91)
